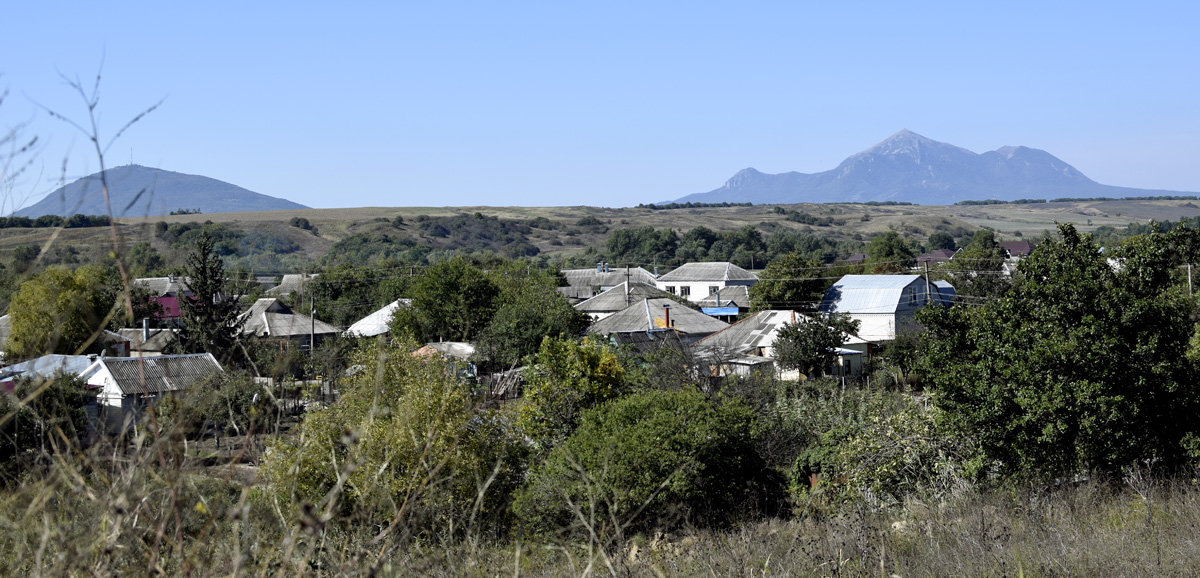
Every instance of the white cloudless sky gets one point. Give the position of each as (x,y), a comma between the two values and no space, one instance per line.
(609,104)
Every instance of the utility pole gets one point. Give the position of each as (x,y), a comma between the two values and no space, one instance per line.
(928,293)
(312,331)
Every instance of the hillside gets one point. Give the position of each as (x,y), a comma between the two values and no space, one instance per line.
(558,234)
(908,167)
(135,190)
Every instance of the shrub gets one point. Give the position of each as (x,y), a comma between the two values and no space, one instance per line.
(650,460)
(403,450)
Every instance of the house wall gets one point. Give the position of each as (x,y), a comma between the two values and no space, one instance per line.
(698,290)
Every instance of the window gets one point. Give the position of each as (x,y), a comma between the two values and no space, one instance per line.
(671,289)
(713,289)
(685,291)
(912,295)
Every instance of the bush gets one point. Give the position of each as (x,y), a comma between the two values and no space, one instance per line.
(650,460)
(403,450)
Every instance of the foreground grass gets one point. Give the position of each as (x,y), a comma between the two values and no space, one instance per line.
(152,510)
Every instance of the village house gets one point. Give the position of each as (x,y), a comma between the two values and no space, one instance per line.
(167,292)
(583,284)
(618,298)
(659,313)
(270,318)
(126,385)
(697,281)
(883,304)
(746,345)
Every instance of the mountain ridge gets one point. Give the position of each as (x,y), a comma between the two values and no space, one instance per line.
(909,167)
(140,191)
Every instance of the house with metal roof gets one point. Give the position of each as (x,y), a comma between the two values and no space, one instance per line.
(584,284)
(659,313)
(167,292)
(126,384)
(378,322)
(268,317)
(618,298)
(882,304)
(746,342)
(697,281)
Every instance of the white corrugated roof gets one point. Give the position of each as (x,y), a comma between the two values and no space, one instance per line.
(378,322)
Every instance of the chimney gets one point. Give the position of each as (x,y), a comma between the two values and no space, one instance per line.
(599,267)
(145,329)
(667,315)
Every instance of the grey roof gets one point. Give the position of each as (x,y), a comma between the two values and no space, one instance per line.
(159,286)
(757,330)
(648,314)
(149,375)
(615,299)
(866,293)
(159,339)
(717,271)
(582,283)
(731,296)
(268,317)
(48,365)
(291,283)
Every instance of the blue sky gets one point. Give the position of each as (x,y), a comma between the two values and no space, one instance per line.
(609,104)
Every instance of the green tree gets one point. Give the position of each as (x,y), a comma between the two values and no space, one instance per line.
(978,270)
(941,240)
(890,253)
(568,376)
(452,300)
(649,460)
(529,309)
(808,345)
(1081,365)
(791,281)
(59,311)
(210,321)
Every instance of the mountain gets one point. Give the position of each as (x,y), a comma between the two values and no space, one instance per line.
(910,168)
(137,191)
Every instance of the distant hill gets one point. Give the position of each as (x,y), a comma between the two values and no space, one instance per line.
(908,167)
(137,191)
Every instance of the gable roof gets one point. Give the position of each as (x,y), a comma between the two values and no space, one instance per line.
(1017,248)
(615,299)
(731,296)
(290,283)
(150,375)
(48,365)
(268,317)
(648,314)
(376,323)
(160,286)
(758,330)
(713,271)
(582,283)
(867,293)
(159,338)
(935,256)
